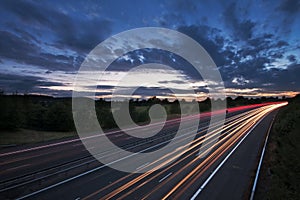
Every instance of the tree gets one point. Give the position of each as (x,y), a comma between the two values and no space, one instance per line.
(59,118)
(10,116)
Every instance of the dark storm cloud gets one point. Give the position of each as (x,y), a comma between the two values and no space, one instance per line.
(169,18)
(264,46)
(77,33)
(29,12)
(272,79)
(154,56)
(290,6)
(250,61)
(12,83)
(24,51)
(290,10)
(208,37)
(57,36)
(25,35)
(284,78)
(176,12)
(11,45)
(22,46)
(105,87)
(253,63)
(184,5)
(292,58)
(84,35)
(241,29)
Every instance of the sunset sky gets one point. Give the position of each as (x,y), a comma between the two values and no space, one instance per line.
(255,44)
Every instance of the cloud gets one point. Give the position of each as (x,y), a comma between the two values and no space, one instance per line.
(211,40)
(240,80)
(241,29)
(48,40)
(258,92)
(24,51)
(84,35)
(29,12)
(251,64)
(184,6)
(26,40)
(54,28)
(290,6)
(12,83)
(291,58)
(289,10)
(168,19)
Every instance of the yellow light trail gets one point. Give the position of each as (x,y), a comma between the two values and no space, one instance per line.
(208,135)
(221,150)
(205,137)
(236,127)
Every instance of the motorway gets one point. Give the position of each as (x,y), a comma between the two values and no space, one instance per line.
(223,169)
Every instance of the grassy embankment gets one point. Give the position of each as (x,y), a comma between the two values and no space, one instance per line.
(35,118)
(280,175)
(24,136)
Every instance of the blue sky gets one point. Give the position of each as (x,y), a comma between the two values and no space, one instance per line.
(255,44)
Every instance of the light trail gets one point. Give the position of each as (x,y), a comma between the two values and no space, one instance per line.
(189,117)
(233,134)
(220,151)
(186,156)
(190,135)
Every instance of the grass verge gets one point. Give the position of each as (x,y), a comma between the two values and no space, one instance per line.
(25,136)
(280,175)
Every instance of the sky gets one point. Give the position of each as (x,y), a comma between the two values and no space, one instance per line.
(254,44)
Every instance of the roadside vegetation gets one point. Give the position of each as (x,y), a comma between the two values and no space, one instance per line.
(280,175)
(21,113)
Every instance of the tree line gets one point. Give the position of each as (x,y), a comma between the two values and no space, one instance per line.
(47,113)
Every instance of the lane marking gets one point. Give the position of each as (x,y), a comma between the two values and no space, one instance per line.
(85,173)
(18,167)
(17,160)
(89,161)
(79,144)
(231,152)
(230,119)
(90,171)
(205,114)
(224,160)
(142,165)
(260,161)
(165,177)
(118,135)
(91,148)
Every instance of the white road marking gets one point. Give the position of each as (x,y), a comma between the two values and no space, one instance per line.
(91,148)
(93,136)
(118,135)
(260,162)
(222,163)
(87,172)
(18,167)
(75,145)
(142,166)
(161,180)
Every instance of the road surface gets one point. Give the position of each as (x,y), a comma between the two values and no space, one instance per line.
(65,169)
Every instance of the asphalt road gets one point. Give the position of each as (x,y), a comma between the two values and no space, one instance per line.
(65,169)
